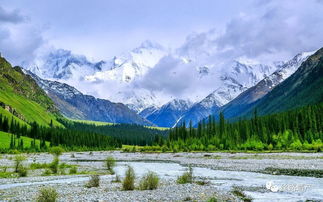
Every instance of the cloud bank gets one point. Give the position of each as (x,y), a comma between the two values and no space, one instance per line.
(19,38)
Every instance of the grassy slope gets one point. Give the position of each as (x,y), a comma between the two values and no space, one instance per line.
(5,140)
(22,93)
(100,123)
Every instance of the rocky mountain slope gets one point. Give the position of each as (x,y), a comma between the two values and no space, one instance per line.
(248,98)
(73,104)
(168,114)
(22,99)
(302,88)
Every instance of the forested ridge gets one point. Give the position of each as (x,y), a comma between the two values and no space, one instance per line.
(57,136)
(130,134)
(298,129)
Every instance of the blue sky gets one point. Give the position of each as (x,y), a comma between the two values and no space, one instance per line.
(101,28)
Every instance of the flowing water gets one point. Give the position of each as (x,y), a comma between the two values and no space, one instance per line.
(261,187)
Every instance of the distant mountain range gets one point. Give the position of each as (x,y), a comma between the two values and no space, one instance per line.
(237,88)
(235,106)
(73,104)
(304,87)
(248,99)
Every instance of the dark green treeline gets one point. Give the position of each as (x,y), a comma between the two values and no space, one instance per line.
(128,134)
(299,129)
(68,138)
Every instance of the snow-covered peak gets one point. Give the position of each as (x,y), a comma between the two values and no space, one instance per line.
(59,88)
(178,104)
(129,66)
(286,69)
(63,64)
(216,98)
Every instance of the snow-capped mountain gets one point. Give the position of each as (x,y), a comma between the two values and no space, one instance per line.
(246,100)
(114,76)
(235,80)
(131,65)
(169,113)
(61,64)
(220,100)
(73,104)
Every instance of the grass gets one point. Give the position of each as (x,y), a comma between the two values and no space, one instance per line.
(10,116)
(5,140)
(93,182)
(128,182)
(295,172)
(110,162)
(7,175)
(260,157)
(97,123)
(47,194)
(101,123)
(187,177)
(149,182)
(30,110)
(238,193)
(23,95)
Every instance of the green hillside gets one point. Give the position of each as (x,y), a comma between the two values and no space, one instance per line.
(302,88)
(20,96)
(6,137)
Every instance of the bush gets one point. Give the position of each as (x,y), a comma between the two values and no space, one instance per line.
(18,161)
(73,170)
(110,162)
(296,145)
(270,147)
(19,168)
(38,165)
(187,177)
(53,166)
(57,151)
(149,182)
(93,182)
(47,172)
(129,180)
(22,171)
(213,199)
(47,194)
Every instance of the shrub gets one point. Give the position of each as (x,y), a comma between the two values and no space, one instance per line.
(57,151)
(270,147)
(149,182)
(19,168)
(187,177)
(18,161)
(47,172)
(213,199)
(93,182)
(47,194)
(53,166)
(22,171)
(128,182)
(296,145)
(164,149)
(73,170)
(110,162)
(38,165)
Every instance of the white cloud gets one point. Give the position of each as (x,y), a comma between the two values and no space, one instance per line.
(19,39)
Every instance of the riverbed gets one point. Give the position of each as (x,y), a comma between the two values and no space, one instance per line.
(221,172)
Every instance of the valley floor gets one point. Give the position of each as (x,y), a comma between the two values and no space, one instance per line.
(222,173)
